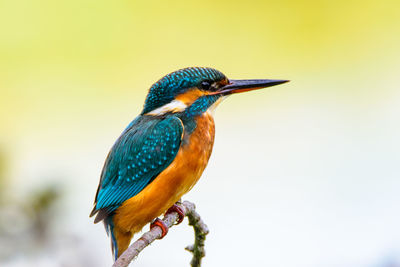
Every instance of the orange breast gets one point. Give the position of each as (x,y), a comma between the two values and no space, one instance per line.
(176,180)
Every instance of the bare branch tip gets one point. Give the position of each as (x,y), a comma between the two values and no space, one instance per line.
(190,248)
(197,249)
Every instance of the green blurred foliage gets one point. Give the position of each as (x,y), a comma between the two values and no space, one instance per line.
(40,209)
(25,223)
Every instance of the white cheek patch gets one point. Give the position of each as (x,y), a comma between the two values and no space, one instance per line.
(173,106)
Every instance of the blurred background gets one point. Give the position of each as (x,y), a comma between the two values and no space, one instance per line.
(302,174)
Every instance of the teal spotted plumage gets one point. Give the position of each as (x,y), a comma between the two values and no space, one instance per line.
(142,151)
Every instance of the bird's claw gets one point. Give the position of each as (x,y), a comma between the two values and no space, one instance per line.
(161,224)
(179,210)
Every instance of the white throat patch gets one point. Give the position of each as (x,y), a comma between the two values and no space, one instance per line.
(211,109)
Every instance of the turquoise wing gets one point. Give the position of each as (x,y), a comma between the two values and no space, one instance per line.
(144,150)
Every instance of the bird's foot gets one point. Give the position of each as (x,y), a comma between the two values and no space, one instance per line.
(179,210)
(161,224)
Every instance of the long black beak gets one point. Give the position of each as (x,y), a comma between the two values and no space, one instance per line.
(239,86)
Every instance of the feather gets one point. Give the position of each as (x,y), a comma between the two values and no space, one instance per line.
(143,150)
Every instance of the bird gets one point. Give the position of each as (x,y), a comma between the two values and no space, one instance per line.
(163,152)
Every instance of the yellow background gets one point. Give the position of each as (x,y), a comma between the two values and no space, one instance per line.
(302,174)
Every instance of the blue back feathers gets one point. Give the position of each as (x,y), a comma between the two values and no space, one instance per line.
(164,91)
(144,150)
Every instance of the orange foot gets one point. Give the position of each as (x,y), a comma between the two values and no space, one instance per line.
(179,210)
(161,224)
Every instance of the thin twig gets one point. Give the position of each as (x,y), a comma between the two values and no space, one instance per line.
(200,230)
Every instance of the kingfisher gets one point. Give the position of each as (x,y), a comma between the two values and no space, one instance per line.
(163,152)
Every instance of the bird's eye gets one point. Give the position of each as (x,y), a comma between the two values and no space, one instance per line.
(205,85)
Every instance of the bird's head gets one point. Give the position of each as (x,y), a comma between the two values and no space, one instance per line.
(195,90)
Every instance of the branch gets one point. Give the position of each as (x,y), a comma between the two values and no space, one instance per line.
(200,231)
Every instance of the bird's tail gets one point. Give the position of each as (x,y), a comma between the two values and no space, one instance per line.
(120,240)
